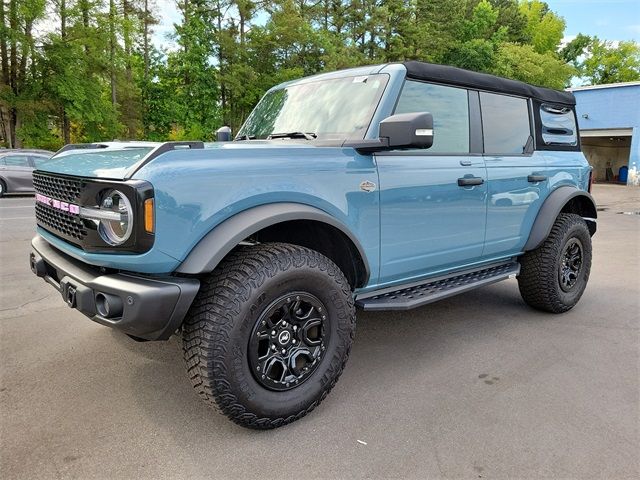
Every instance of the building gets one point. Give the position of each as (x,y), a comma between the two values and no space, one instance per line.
(609,119)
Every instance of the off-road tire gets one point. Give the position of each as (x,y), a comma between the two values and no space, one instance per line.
(539,280)
(219,324)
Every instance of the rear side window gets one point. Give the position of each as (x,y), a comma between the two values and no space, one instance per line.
(15,161)
(450,109)
(505,123)
(558,125)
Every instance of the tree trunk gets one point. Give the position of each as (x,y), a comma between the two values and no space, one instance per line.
(146,20)
(66,127)
(4,55)
(112,49)
(84,7)
(13,71)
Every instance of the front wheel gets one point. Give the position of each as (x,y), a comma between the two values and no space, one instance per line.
(554,276)
(269,333)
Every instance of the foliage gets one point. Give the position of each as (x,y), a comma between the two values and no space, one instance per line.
(522,62)
(609,63)
(94,74)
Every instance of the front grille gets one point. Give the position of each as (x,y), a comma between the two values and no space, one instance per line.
(60,188)
(65,189)
(60,222)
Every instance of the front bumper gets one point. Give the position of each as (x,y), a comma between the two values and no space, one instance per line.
(150,308)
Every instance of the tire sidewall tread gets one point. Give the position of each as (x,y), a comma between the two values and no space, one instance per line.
(538,279)
(218,326)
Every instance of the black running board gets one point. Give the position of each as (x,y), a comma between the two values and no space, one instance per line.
(418,294)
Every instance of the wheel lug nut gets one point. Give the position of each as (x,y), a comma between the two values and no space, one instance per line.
(284,351)
(284,324)
(298,297)
(295,327)
(273,332)
(273,347)
(293,341)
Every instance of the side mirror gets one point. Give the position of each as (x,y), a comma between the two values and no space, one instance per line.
(223,134)
(408,130)
(405,130)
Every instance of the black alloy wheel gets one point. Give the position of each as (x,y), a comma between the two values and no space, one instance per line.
(570,264)
(288,340)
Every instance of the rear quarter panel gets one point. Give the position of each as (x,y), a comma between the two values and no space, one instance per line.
(567,168)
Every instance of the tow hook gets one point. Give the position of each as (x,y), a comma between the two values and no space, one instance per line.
(70,296)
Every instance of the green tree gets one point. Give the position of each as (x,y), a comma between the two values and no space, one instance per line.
(607,62)
(480,37)
(544,29)
(522,62)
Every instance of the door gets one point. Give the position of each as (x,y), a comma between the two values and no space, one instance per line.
(429,223)
(517,175)
(16,170)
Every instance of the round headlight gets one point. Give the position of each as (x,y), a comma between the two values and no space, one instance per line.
(116,230)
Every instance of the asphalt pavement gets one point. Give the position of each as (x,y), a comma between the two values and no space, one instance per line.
(475,386)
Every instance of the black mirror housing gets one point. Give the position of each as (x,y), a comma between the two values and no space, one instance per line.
(408,130)
(405,130)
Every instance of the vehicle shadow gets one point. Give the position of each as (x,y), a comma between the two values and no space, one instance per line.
(388,347)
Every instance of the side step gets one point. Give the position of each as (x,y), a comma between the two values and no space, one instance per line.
(433,289)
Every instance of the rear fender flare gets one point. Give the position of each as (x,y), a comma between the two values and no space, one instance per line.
(552,207)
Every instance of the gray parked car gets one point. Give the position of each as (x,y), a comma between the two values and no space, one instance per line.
(16,166)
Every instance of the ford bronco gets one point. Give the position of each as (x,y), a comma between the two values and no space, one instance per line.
(379,188)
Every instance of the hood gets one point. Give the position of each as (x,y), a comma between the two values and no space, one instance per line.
(119,160)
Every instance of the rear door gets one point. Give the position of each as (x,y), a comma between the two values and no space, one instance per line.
(517,174)
(16,170)
(429,222)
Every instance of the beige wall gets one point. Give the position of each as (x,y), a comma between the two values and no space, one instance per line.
(603,152)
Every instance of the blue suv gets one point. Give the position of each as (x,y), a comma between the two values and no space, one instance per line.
(380,188)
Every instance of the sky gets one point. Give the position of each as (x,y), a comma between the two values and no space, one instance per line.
(608,19)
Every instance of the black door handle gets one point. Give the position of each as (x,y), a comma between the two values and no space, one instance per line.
(536,178)
(470,181)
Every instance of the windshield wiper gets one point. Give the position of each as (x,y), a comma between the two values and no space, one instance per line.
(245,137)
(305,135)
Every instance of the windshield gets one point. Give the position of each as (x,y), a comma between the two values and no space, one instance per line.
(327,109)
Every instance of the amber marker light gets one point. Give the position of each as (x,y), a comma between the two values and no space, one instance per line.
(148,215)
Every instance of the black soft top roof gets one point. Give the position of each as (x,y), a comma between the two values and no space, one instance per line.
(483,81)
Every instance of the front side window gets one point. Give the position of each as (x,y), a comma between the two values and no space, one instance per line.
(339,108)
(39,160)
(505,123)
(450,109)
(558,125)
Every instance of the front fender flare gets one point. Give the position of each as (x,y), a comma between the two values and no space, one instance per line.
(216,244)
(550,210)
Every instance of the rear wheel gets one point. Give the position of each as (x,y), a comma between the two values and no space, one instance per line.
(269,334)
(554,276)
(3,188)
